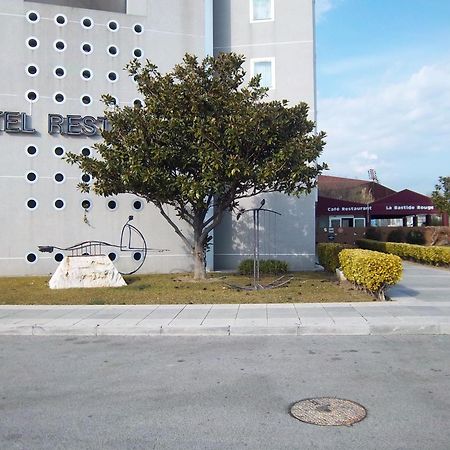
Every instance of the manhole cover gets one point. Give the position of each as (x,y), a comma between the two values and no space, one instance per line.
(328,411)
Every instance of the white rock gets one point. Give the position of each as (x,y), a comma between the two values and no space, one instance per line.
(86,272)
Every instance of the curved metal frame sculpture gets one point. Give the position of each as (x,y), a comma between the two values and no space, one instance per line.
(93,248)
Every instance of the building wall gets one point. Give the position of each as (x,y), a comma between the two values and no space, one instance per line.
(289,41)
(165,39)
(170,29)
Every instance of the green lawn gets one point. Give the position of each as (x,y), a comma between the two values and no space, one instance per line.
(179,288)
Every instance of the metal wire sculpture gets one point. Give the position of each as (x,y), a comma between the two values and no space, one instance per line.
(256,247)
(94,248)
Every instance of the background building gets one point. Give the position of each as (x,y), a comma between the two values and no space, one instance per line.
(60,56)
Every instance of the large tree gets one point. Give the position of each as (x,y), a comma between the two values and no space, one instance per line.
(441,195)
(203,140)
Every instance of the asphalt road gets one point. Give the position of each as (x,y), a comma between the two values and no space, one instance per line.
(221,393)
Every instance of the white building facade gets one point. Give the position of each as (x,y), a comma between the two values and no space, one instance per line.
(60,56)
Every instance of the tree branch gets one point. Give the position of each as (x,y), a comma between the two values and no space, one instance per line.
(175,227)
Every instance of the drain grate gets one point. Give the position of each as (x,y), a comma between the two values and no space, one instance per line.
(328,411)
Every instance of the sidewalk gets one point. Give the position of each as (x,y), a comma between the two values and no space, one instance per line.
(421,305)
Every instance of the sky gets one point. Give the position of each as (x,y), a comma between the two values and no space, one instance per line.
(383,89)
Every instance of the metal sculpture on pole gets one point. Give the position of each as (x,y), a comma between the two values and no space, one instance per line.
(256,247)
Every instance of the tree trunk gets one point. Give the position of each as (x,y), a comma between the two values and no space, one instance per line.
(199,256)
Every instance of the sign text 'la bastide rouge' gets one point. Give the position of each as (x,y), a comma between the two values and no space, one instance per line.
(70,125)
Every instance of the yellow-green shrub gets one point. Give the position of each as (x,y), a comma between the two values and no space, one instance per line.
(420,253)
(371,270)
(328,254)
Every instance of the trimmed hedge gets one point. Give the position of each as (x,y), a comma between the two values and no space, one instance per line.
(266,266)
(420,253)
(373,271)
(328,254)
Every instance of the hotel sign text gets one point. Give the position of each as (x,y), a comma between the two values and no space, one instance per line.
(70,125)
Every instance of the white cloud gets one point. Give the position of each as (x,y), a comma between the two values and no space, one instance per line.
(324,6)
(400,129)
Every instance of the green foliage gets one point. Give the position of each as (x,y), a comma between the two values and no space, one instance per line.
(373,233)
(266,267)
(396,236)
(441,195)
(328,254)
(201,142)
(420,253)
(415,237)
(371,270)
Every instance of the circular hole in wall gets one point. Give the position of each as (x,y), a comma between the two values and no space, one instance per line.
(32,70)
(59,151)
(113,25)
(32,96)
(31,176)
(59,45)
(33,16)
(87,23)
(60,20)
(113,50)
(31,150)
(32,42)
(59,204)
(31,258)
(86,48)
(138,28)
(32,204)
(59,257)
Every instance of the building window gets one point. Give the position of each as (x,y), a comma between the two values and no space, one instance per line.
(86,74)
(59,151)
(60,20)
(86,204)
(112,256)
(32,43)
(31,258)
(112,76)
(138,53)
(32,96)
(32,70)
(112,50)
(138,28)
(59,45)
(261,10)
(86,100)
(31,150)
(59,97)
(59,72)
(31,176)
(86,48)
(33,16)
(87,23)
(59,177)
(59,257)
(59,204)
(137,205)
(85,151)
(112,205)
(32,204)
(113,25)
(266,68)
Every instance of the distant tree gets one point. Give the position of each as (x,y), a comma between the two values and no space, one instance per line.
(441,195)
(201,142)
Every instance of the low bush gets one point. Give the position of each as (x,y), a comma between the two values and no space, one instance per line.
(415,237)
(328,254)
(438,256)
(370,270)
(396,236)
(373,233)
(266,267)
